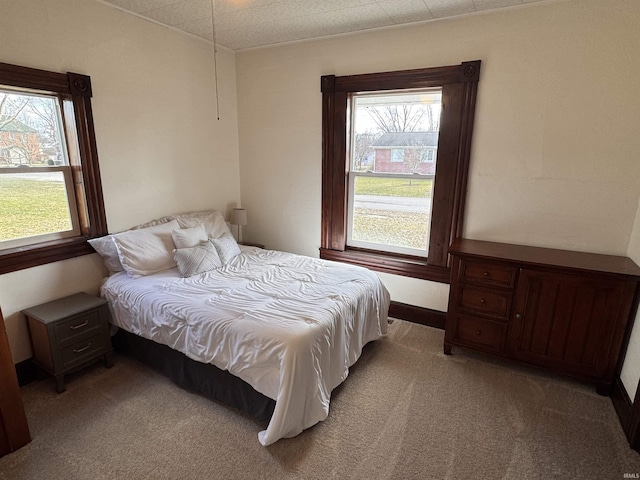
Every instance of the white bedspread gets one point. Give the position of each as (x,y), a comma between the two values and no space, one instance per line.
(290,326)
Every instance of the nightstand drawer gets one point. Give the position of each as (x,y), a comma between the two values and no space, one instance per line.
(482,334)
(488,274)
(78,327)
(82,350)
(495,304)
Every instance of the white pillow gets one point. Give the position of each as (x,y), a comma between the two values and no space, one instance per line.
(198,259)
(227,247)
(189,237)
(147,250)
(107,249)
(213,221)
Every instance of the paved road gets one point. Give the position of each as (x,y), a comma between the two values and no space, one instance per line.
(42,176)
(394,204)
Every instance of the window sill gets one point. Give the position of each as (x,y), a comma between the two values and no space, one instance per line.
(28,256)
(395,264)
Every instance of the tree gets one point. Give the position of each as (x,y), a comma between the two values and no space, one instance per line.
(407,117)
(29,123)
(362,149)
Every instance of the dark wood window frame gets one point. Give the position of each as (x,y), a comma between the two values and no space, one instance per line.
(83,158)
(459,85)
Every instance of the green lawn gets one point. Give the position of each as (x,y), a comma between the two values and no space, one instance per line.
(32,207)
(399,187)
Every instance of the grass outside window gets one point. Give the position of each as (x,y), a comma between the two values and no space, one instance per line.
(394,187)
(32,207)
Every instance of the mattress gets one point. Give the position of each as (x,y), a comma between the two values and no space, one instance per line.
(288,325)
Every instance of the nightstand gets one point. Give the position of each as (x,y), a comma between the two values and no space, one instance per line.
(69,333)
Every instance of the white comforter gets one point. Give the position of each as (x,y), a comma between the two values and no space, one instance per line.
(290,326)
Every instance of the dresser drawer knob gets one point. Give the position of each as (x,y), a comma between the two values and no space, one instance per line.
(478,332)
(482,300)
(485,274)
(80,325)
(518,316)
(80,350)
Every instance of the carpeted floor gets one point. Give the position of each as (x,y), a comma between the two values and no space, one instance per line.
(406,412)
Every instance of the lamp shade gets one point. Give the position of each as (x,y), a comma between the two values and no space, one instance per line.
(238,216)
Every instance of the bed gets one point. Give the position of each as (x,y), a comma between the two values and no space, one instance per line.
(286,325)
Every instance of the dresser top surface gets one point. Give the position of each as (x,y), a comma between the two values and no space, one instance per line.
(64,307)
(611,264)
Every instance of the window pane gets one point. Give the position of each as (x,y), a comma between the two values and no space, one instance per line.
(30,130)
(33,204)
(392,212)
(33,191)
(394,142)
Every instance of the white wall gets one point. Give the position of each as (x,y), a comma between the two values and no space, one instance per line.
(554,156)
(161,148)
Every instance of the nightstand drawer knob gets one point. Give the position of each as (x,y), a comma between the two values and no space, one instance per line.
(80,350)
(478,332)
(482,300)
(80,325)
(486,274)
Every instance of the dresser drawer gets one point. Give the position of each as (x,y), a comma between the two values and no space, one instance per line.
(78,327)
(82,350)
(487,274)
(495,304)
(480,333)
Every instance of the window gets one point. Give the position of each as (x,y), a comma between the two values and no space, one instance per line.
(49,176)
(428,155)
(399,212)
(389,206)
(397,155)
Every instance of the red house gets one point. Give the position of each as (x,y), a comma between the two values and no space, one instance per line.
(405,152)
(19,143)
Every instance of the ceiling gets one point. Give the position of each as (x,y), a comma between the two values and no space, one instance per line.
(243,24)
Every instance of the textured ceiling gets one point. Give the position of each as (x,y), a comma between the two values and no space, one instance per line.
(242,24)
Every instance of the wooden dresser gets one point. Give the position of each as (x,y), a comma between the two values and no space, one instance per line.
(568,312)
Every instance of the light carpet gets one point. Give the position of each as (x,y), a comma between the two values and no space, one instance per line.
(406,411)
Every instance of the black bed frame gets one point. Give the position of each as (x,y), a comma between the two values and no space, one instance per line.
(203,378)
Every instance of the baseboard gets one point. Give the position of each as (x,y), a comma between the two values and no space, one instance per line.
(26,372)
(421,315)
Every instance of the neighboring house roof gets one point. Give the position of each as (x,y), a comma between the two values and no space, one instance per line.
(406,139)
(14,125)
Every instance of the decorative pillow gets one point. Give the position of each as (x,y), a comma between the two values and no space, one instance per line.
(226,246)
(198,259)
(213,221)
(189,237)
(107,249)
(147,250)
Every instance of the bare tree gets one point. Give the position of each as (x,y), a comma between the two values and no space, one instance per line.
(362,149)
(27,124)
(404,117)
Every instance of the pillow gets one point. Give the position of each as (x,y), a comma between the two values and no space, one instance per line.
(146,250)
(213,221)
(189,237)
(153,223)
(106,248)
(227,247)
(198,259)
